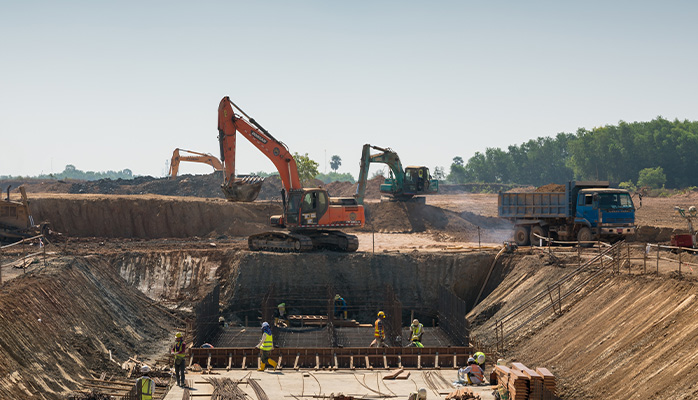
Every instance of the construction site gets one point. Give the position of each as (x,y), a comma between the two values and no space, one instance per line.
(98,277)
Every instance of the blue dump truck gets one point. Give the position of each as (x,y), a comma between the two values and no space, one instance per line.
(584,211)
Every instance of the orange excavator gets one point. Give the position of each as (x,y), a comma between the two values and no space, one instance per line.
(196,157)
(310,216)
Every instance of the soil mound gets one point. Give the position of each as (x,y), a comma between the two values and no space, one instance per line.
(59,324)
(551,187)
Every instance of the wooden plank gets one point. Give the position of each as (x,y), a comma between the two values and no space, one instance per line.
(230,361)
(279,366)
(436,361)
(208,362)
(394,374)
(385,361)
(403,375)
(351,362)
(244,361)
(336,364)
(455,361)
(295,364)
(419,361)
(317,361)
(399,361)
(368,364)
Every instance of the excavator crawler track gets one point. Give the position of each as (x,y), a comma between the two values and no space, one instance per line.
(280,242)
(293,242)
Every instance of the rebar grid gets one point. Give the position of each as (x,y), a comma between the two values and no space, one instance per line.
(227,389)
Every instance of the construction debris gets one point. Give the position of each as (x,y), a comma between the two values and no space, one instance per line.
(462,394)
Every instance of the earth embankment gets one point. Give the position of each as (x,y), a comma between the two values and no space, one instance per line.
(58,324)
(620,337)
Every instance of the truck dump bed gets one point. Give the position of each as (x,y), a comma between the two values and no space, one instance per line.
(533,205)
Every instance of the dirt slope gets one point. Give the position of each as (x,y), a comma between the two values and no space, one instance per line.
(58,323)
(623,337)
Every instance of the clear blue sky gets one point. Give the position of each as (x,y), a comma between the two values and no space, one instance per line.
(113,85)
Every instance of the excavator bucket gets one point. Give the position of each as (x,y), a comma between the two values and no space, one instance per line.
(243,189)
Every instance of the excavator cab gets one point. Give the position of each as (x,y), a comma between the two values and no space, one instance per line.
(305,207)
(417,180)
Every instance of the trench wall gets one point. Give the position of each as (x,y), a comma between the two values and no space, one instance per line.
(246,277)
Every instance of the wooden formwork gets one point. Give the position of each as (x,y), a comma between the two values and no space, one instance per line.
(335,358)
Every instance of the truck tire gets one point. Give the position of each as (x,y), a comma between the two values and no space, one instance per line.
(585,235)
(521,235)
(540,231)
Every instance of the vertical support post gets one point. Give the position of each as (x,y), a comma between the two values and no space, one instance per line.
(627,246)
(644,260)
(373,235)
(657,259)
(230,361)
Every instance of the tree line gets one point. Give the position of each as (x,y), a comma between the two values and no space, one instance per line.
(633,153)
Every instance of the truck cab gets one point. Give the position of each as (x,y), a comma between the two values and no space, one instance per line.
(606,212)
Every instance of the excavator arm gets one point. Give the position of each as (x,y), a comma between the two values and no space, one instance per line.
(198,157)
(230,123)
(386,156)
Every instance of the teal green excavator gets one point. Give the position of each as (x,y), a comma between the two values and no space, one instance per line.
(402,184)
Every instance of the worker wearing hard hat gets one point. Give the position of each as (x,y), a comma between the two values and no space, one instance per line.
(145,388)
(379,331)
(179,350)
(416,332)
(280,315)
(472,374)
(480,360)
(421,394)
(265,346)
(340,307)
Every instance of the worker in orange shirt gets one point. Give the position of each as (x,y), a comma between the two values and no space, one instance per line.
(379,331)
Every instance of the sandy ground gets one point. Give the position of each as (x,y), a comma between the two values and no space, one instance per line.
(303,384)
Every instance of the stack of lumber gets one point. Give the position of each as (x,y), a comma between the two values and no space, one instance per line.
(462,394)
(548,379)
(515,381)
(535,387)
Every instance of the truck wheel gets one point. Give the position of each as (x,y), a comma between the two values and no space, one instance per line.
(521,235)
(540,231)
(584,235)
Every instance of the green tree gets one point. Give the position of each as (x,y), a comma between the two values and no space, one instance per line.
(652,177)
(335,162)
(307,168)
(457,172)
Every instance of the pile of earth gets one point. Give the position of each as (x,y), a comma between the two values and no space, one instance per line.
(208,186)
(551,188)
(60,321)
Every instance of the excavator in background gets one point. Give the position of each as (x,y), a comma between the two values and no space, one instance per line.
(196,157)
(310,215)
(401,185)
(16,220)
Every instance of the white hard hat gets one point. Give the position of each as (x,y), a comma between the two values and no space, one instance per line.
(415,322)
(471,360)
(422,394)
(145,369)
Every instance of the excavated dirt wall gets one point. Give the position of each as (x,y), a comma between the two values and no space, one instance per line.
(620,337)
(59,322)
(247,276)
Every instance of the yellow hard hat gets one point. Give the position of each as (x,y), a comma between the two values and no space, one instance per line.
(381,314)
(178,335)
(415,322)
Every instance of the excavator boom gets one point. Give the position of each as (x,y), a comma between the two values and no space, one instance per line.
(196,157)
(230,123)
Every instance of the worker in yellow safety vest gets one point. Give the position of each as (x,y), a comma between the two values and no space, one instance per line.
(379,331)
(416,332)
(472,374)
(480,360)
(180,354)
(265,346)
(145,388)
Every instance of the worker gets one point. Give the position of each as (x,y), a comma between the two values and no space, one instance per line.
(379,331)
(179,350)
(280,315)
(145,388)
(480,360)
(221,321)
(416,332)
(472,374)
(419,395)
(265,346)
(420,180)
(340,307)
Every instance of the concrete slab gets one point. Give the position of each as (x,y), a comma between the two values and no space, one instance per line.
(314,384)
